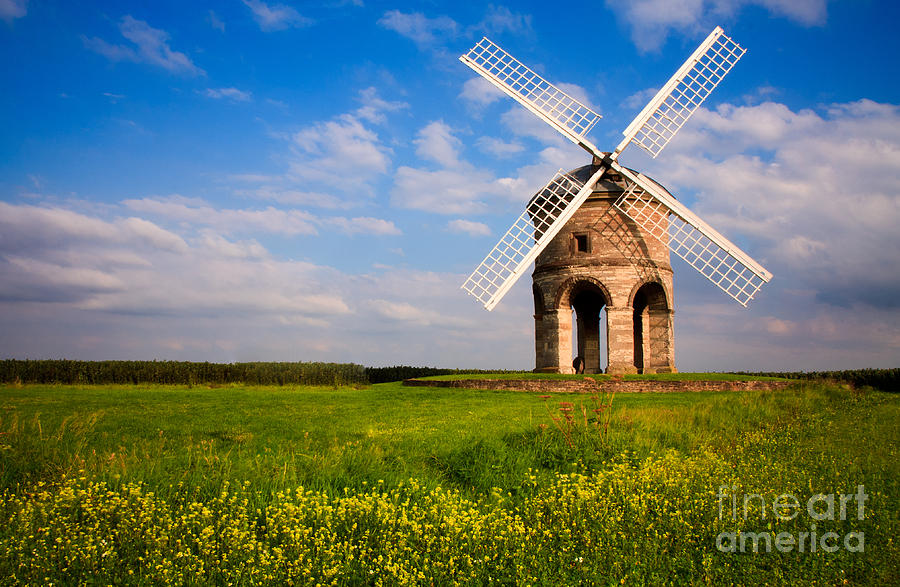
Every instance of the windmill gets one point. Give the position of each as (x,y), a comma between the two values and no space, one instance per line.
(652,210)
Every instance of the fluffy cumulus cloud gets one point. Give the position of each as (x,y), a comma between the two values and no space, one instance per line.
(469,227)
(187,211)
(479,92)
(345,153)
(134,266)
(276,17)
(498,147)
(417,27)
(451,184)
(270,220)
(148,45)
(79,285)
(436,143)
(333,163)
(821,198)
(651,21)
(342,152)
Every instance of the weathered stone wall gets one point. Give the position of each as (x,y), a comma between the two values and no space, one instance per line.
(590,385)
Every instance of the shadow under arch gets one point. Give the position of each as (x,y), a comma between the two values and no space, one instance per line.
(562,299)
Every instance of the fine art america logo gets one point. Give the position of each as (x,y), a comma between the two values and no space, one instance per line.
(819,507)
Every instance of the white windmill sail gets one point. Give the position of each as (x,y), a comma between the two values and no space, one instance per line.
(676,101)
(542,219)
(561,111)
(689,237)
(648,205)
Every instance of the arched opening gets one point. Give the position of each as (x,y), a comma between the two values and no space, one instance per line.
(652,329)
(589,327)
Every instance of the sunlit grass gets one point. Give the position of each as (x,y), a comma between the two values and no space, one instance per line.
(151,484)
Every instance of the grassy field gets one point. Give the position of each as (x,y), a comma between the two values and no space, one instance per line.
(386,484)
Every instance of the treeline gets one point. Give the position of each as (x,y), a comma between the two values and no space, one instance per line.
(180,372)
(883,379)
(401,372)
(187,373)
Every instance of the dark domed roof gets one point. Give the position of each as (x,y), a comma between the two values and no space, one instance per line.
(611,182)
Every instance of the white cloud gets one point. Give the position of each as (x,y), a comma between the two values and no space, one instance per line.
(373,106)
(25,227)
(13,9)
(134,266)
(820,202)
(480,92)
(341,152)
(500,19)
(459,187)
(331,163)
(160,238)
(469,227)
(523,123)
(435,142)
(276,17)
(363,225)
(151,46)
(639,99)
(498,148)
(232,94)
(109,292)
(651,21)
(198,213)
(579,93)
(445,191)
(291,197)
(195,213)
(419,28)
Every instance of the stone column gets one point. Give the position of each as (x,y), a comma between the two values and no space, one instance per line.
(662,347)
(620,326)
(539,342)
(557,351)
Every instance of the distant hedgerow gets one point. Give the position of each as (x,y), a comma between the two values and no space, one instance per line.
(179,372)
(883,379)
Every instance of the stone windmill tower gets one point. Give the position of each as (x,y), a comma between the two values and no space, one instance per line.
(602,263)
(600,236)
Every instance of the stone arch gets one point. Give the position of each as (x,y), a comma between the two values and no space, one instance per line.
(564,291)
(584,299)
(665,302)
(652,327)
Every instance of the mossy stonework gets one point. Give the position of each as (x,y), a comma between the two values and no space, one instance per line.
(602,259)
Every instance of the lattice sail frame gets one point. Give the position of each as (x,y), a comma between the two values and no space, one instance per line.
(542,219)
(676,101)
(555,107)
(651,207)
(707,251)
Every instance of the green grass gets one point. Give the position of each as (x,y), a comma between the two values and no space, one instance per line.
(494,477)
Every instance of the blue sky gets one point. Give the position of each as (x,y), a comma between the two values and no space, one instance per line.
(251,180)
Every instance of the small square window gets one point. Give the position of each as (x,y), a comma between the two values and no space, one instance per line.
(582,245)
